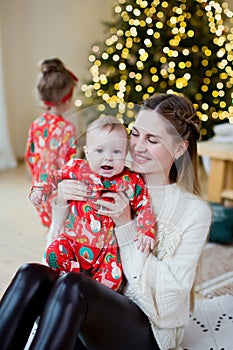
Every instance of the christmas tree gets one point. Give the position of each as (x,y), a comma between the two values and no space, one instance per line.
(183,46)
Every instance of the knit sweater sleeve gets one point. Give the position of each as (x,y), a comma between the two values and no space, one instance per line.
(132,257)
(160,284)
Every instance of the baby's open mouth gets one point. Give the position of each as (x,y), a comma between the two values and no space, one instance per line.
(106,167)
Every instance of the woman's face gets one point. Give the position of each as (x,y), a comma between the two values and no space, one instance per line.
(152,147)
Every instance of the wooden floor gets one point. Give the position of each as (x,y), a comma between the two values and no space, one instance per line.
(22,235)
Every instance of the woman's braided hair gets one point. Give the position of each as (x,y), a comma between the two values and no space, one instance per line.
(179,111)
(192,122)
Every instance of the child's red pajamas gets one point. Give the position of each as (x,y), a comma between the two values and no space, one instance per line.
(50,144)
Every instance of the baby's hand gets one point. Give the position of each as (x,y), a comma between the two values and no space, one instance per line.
(36,197)
(145,243)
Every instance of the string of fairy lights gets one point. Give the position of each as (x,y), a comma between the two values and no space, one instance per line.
(113,75)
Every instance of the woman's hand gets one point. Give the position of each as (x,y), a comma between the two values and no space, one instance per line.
(71,190)
(118,209)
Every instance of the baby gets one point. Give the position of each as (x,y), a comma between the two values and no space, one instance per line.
(88,242)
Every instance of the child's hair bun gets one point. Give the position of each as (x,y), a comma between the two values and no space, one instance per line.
(55,82)
(52,65)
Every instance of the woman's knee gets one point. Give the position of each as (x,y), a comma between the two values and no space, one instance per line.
(36,272)
(30,268)
(72,280)
(74,285)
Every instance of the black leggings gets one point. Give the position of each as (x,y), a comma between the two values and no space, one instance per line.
(70,305)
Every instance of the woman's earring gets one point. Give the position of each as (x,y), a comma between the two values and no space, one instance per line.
(85,150)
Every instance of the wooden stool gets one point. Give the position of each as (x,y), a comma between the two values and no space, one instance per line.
(221,167)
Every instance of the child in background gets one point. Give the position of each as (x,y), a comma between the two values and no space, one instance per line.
(88,242)
(51,139)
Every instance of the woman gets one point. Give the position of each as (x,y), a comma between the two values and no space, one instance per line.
(154,308)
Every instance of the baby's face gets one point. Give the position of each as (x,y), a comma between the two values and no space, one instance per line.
(106,151)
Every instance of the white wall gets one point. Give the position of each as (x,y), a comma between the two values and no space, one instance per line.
(33,30)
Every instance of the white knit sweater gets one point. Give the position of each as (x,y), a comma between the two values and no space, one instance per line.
(160,283)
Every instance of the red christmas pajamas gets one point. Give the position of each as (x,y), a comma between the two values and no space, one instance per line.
(88,242)
(50,144)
